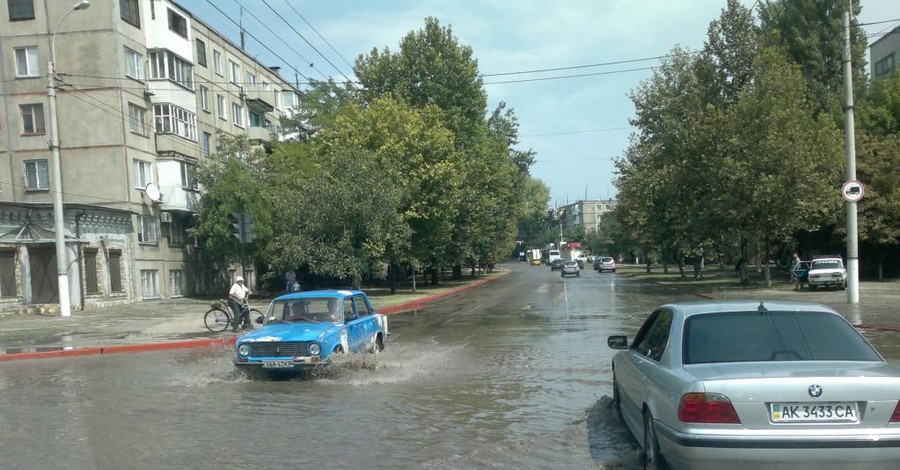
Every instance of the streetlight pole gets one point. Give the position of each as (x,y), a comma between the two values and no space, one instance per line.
(62,262)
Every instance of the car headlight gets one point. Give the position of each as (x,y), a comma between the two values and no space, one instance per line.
(314,349)
(244,350)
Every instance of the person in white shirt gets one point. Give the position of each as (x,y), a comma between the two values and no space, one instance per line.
(237,296)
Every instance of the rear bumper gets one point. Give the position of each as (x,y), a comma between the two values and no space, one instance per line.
(819,451)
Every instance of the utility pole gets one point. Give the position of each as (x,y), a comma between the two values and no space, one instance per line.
(850,143)
(59,226)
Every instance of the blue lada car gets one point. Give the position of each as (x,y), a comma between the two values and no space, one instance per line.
(302,330)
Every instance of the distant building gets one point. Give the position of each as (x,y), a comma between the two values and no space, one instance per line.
(142,89)
(588,213)
(884,53)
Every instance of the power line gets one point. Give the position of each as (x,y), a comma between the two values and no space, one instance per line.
(309,43)
(320,36)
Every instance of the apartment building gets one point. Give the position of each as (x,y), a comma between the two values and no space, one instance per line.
(142,87)
(587,213)
(884,53)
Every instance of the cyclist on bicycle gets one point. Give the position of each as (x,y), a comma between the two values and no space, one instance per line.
(237,300)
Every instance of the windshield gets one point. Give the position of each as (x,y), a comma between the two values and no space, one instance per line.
(773,336)
(826,264)
(312,310)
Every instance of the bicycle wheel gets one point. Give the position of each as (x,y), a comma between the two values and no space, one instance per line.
(217,320)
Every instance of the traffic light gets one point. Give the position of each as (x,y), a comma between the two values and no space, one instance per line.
(241,227)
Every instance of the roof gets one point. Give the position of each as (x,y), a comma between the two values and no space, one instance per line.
(318,294)
(695,307)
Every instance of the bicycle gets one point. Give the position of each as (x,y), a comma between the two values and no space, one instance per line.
(219,316)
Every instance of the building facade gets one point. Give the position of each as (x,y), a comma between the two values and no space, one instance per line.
(142,89)
(884,53)
(587,213)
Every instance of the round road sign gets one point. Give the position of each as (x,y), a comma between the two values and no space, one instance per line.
(852,191)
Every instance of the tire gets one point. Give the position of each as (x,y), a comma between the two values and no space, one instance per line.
(378,346)
(217,320)
(254,314)
(617,398)
(650,456)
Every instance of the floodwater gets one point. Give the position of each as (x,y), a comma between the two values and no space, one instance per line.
(515,374)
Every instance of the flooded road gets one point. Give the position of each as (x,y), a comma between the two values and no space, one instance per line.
(514,374)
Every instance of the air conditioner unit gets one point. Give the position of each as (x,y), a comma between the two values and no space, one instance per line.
(147,90)
(165,217)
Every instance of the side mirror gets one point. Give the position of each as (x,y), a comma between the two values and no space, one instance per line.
(617,342)
(260,319)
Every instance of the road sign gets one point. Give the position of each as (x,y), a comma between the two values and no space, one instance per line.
(852,191)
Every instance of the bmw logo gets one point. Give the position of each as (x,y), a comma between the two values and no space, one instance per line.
(815,390)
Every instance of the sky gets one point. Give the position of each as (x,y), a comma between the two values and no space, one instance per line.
(575,116)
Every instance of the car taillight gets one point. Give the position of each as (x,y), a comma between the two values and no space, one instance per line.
(895,418)
(706,408)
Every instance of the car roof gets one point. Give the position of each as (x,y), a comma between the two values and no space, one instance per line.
(329,293)
(697,307)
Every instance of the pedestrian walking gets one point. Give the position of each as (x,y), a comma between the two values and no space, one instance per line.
(795,266)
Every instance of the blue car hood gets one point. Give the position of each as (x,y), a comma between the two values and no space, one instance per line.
(288,332)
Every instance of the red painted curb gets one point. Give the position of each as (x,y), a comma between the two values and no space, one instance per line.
(218,342)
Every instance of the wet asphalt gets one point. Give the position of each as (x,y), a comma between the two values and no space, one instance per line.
(176,323)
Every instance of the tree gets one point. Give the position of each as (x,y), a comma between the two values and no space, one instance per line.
(809,34)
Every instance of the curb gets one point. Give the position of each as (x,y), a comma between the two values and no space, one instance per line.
(220,342)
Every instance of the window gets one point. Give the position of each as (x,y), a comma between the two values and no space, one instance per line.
(165,64)
(171,119)
(20,10)
(204,98)
(91,286)
(237,114)
(149,287)
(217,63)
(134,64)
(189,176)
(652,339)
(176,283)
(142,174)
(26,61)
(177,23)
(136,119)
(114,258)
(220,106)
(7,273)
(249,79)
(201,52)
(176,232)
(37,175)
(146,229)
(289,99)
(32,118)
(884,66)
(130,12)
(258,120)
(234,72)
(205,146)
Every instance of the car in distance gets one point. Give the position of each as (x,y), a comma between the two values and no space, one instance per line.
(570,267)
(756,384)
(556,264)
(604,263)
(303,330)
(826,272)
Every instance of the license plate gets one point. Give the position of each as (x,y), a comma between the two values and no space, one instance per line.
(814,412)
(277,364)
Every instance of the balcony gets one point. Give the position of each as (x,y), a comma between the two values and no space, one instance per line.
(259,100)
(174,144)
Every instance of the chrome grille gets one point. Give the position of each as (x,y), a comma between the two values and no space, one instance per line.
(279,349)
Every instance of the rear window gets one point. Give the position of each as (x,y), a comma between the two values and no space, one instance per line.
(773,336)
(827,264)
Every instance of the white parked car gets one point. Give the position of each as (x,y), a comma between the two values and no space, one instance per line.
(827,272)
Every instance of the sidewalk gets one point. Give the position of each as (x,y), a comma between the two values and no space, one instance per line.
(152,325)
